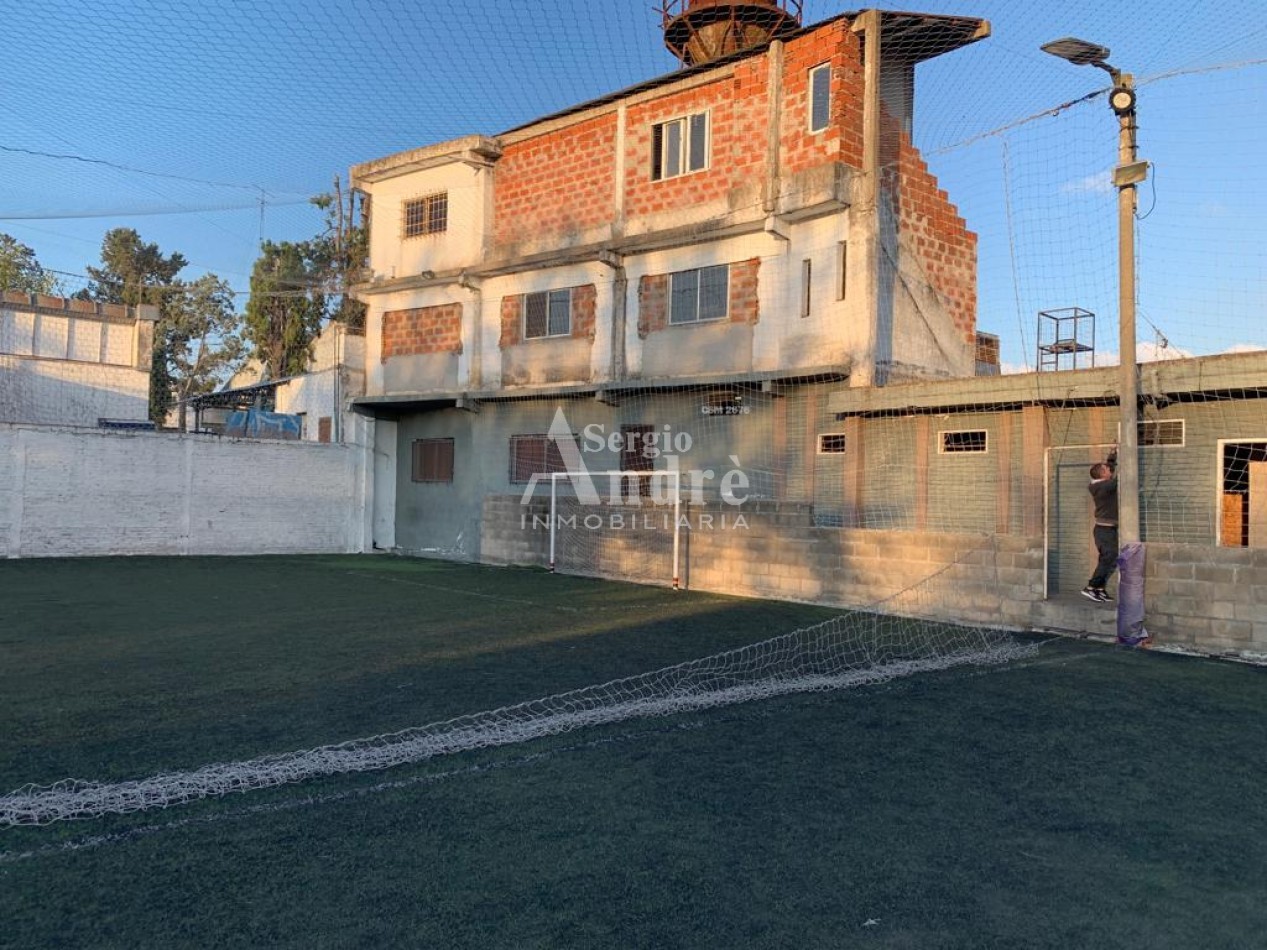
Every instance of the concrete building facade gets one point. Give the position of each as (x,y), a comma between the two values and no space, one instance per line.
(73,362)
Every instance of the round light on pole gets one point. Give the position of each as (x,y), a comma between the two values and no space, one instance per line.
(1122,100)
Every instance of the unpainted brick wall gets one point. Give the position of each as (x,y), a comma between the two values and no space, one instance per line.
(584,315)
(745,303)
(422,330)
(559,182)
(932,227)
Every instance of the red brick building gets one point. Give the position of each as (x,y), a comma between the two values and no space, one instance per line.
(758,218)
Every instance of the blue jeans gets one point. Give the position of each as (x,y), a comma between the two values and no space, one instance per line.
(1106,544)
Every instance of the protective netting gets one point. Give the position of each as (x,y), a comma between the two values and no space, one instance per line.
(845,652)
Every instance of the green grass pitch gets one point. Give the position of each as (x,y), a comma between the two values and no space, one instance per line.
(1088,797)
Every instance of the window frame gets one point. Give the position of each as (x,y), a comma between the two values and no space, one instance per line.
(550,296)
(807,287)
(418,461)
(965,450)
(699,287)
(823,69)
(1158,425)
(551,454)
(822,443)
(660,149)
(434,218)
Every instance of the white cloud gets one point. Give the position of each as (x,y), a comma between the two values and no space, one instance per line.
(1101,183)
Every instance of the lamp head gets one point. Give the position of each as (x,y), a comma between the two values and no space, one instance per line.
(1079,52)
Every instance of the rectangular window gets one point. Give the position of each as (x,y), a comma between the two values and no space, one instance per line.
(533,455)
(548,313)
(831,443)
(807,275)
(679,146)
(428,215)
(1161,432)
(433,460)
(699,295)
(842,265)
(819,97)
(970,441)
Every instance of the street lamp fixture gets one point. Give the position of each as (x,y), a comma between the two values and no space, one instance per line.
(1128,174)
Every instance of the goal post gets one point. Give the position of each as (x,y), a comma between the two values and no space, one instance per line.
(635,530)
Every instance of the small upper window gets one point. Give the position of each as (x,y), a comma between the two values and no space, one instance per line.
(679,146)
(831,443)
(429,215)
(971,440)
(699,295)
(819,97)
(1161,432)
(548,313)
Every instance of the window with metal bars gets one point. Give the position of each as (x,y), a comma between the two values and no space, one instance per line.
(426,215)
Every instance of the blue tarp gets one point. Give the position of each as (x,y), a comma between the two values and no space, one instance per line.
(257,424)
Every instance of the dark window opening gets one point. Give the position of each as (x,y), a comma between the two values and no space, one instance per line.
(433,460)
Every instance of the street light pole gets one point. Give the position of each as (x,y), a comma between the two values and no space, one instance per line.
(1128,174)
(1128,381)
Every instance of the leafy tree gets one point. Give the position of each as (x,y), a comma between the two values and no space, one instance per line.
(201,337)
(198,337)
(286,307)
(340,254)
(296,287)
(132,271)
(19,270)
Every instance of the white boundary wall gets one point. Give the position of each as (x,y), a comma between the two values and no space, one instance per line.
(81,492)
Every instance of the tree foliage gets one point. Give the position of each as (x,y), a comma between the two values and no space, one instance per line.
(198,337)
(298,286)
(132,272)
(286,307)
(201,336)
(19,269)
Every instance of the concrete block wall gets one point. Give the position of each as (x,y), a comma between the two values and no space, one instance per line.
(68,393)
(780,554)
(1210,598)
(68,493)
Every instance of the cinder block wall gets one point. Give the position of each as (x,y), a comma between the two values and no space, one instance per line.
(780,554)
(1209,598)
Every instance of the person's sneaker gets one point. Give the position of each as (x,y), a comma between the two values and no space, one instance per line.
(1104,596)
(1090,593)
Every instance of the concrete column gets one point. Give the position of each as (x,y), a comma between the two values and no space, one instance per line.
(923,435)
(864,217)
(1003,478)
(1033,450)
(855,463)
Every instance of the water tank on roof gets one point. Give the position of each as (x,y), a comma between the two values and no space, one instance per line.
(700,31)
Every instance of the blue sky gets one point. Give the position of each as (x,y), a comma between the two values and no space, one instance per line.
(206,126)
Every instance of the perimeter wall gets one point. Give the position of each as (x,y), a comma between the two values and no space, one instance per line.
(82,492)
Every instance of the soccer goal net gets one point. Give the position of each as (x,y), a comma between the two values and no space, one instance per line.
(851,650)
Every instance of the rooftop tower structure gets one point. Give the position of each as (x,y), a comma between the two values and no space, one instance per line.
(700,31)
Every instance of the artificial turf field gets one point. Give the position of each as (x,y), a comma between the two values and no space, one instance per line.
(1087,797)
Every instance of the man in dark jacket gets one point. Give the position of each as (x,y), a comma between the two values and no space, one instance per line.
(1103,490)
